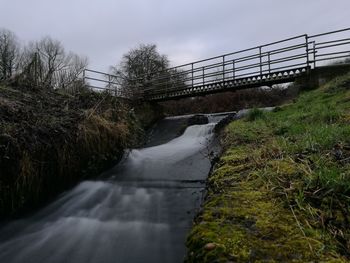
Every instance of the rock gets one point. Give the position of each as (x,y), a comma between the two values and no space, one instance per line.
(210,246)
(198,120)
(225,121)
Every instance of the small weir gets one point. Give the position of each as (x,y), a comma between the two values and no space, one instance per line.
(139,211)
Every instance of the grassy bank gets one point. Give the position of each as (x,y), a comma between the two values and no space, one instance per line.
(281,190)
(49,141)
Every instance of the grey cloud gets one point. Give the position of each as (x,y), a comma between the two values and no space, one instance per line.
(184,29)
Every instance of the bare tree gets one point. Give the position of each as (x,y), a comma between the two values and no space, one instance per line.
(45,63)
(139,67)
(69,78)
(9,49)
(52,59)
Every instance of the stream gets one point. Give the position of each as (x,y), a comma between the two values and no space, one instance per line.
(139,211)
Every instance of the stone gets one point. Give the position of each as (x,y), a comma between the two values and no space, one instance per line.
(210,246)
(224,122)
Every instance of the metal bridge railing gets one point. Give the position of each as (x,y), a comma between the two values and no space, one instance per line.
(254,62)
(330,47)
(296,54)
(103,82)
(97,80)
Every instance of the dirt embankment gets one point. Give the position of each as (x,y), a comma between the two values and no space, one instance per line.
(49,141)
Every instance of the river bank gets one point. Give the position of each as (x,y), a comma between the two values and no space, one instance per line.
(280,191)
(49,141)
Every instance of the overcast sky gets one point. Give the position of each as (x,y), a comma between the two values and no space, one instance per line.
(185,30)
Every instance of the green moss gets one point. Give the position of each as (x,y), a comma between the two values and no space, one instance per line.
(235,156)
(249,225)
(242,131)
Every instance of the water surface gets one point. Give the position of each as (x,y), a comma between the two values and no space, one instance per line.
(141,211)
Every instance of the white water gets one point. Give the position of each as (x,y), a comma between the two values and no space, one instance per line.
(142,213)
(170,161)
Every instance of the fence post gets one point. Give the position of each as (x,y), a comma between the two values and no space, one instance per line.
(203,76)
(260,62)
(233,69)
(314,51)
(192,74)
(223,68)
(307,51)
(84,77)
(269,61)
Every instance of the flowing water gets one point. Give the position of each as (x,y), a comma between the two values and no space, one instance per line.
(139,211)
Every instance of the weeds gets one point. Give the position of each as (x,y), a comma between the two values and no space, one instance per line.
(255,114)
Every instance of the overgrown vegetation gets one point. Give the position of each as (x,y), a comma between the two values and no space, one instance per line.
(49,141)
(281,191)
(232,101)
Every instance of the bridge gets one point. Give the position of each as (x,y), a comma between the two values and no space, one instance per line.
(265,65)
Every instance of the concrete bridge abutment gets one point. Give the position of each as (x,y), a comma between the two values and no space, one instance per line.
(320,75)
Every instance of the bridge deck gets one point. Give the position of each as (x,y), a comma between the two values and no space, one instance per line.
(267,79)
